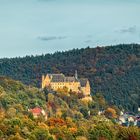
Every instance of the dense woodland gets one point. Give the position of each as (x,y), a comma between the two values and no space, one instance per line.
(68,116)
(113,71)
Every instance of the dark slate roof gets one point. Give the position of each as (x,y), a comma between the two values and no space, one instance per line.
(83,82)
(70,79)
(62,78)
(57,77)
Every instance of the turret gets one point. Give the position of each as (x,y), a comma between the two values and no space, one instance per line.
(76,75)
(46,80)
(43,78)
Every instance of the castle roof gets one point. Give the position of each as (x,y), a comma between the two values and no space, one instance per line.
(57,77)
(63,78)
(70,79)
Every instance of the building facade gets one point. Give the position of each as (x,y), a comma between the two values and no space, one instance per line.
(59,81)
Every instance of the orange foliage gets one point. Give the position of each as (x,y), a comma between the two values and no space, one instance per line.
(56,122)
(110,113)
(73,130)
(102,138)
(132,138)
(2,114)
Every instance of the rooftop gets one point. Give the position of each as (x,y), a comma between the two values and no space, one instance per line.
(62,78)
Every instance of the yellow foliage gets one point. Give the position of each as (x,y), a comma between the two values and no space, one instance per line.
(2,114)
(58,113)
(62,90)
(81,138)
(43,125)
(11,112)
(16,137)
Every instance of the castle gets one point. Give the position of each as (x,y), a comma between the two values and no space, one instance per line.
(74,84)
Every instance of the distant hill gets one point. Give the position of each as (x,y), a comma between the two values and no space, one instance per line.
(113,71)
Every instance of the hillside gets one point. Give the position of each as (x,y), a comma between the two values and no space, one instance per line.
(65,113)
(68,117)
(113,71)
(15,95)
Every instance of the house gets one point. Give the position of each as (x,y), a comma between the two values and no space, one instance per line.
(37,111)
(127,119)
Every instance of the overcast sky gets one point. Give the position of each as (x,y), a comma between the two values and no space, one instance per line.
(45,26)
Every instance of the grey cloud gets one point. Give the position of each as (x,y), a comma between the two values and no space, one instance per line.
(51,38)
(88,41)
(131,30)
(89,36)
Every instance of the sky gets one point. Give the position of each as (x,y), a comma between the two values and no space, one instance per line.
(34,27)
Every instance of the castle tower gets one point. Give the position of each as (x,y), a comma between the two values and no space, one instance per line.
(45,81)
(43,85)
(76,75)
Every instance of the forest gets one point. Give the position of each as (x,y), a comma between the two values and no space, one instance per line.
(113,71)
(68,116)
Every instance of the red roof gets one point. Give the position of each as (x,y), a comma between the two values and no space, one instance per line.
(36,110)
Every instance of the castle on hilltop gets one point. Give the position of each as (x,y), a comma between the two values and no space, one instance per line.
(74,84)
